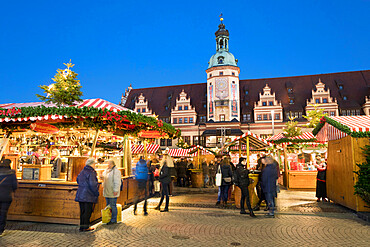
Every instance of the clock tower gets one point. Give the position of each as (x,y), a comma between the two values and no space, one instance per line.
(223,102)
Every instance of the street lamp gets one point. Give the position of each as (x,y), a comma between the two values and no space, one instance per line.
(272,118)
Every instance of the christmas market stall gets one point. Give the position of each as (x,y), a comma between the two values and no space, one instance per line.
(348,165)
(301,154)
(198,153)
(251,143)
(48,146)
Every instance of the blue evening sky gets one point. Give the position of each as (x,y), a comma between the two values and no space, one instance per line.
(161,43)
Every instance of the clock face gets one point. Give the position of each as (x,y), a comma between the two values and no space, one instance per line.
(222,88)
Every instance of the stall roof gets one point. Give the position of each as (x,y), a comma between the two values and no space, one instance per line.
(139,149)
(183,152)
(103,104)
(305,137)
(334,128)
(254,141)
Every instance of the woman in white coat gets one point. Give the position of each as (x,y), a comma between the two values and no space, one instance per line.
(111,188)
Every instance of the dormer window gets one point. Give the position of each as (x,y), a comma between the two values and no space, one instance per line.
(220,60)
(180,108)
(344,97)
(291,101)
(264,103)
(204,106)
(271,103)
(138,110)
(290,90)
(166,107)
(317,101)
(144,110)
(186,107)
(325,100)
(247,103)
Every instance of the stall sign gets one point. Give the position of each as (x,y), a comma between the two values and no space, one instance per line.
(44,128)
(151,134)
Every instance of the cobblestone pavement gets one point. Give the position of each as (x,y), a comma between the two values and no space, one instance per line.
(189,225)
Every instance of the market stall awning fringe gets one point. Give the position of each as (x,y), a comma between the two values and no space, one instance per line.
(306,137)
(102,104)
(334,128)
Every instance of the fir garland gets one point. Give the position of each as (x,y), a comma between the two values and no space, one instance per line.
(103,119)
(341,127)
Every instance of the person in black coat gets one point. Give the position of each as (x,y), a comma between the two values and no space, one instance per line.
(321,182)
(226,180)
(241,179)
(181,172)
(165,179)
(8,184)
(87,193)
(269,176)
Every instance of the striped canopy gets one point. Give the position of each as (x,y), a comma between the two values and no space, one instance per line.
(102,104)
(304,136)
(255,142)
(329,132)
(139,149)
(183,152)
(97,103)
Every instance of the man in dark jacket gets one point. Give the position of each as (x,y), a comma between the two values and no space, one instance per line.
(8,184)
(87,193)
(181,172)
(269,176)
(241,179)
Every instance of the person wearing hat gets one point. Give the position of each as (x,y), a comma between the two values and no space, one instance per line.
(87,193)
(8,184)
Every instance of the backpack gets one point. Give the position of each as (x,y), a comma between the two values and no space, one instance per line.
(141,171)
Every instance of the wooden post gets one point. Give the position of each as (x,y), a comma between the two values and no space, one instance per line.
(198,157)
(145,151)
(94,143)
(248,165)
(240,149)
(286,173)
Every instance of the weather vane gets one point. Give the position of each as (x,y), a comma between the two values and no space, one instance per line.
(221,18)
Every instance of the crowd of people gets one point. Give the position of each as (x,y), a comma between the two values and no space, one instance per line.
(156,177)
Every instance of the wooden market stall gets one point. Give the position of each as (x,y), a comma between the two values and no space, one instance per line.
(347,135)
(198,153)
(251,142)
(300,157)
(35,130)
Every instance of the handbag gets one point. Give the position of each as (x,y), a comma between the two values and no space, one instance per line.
(218,177)
(227,180)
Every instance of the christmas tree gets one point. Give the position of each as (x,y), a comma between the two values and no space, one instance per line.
(313,117)
(292,128)
(65,91)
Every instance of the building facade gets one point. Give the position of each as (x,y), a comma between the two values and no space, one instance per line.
(225,106)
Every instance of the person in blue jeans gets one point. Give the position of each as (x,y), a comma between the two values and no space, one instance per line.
(141,173)
(111,188)
(268,178)
(226,180)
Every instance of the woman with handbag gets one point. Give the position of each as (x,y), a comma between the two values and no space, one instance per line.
(226,180)
(8,184)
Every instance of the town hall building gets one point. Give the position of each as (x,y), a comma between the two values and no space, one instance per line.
(225,106)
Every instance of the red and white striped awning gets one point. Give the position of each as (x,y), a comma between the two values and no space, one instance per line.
(178,152)
(203,151)
(355,123)
(97,103)
(102,104)
(275,137)
(150,148)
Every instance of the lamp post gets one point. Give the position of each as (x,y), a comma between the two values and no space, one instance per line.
(272,121)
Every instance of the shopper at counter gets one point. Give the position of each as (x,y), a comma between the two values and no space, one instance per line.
(8,184)
(87,193)
(56,161)
(111,188)
(269,177)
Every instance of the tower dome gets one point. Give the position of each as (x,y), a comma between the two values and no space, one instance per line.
(222,57)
